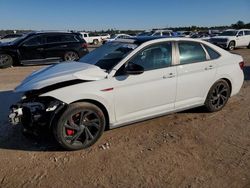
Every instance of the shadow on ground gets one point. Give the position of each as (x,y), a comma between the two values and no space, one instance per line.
(11,137)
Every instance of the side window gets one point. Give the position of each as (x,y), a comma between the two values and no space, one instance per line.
(33,41)
(240,33)
(154,57)
(247,32)
(191,52)
(212,53)
(85,35)
(69,38)
(165,33)
(53,38)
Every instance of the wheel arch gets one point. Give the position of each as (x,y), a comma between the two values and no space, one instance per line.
(222,78)
(229,83)
(99,105)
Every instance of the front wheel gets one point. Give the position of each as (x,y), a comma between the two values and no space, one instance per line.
(217,96)
(5,61)
(80,126)
(231,45)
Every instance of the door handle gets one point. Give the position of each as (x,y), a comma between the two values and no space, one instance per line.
(209,67)
(170,75)
(63,46)
(40,49)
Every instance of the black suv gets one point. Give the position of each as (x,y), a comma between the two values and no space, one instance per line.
(42,48)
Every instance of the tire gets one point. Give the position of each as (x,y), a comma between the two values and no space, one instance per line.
(231,45)
(217,96)
(95,42)
(71,56)
(79,126)
(5,61)
(248,46)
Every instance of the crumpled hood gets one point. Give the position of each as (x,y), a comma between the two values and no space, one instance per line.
(58,73)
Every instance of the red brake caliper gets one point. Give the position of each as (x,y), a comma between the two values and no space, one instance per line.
(70,132)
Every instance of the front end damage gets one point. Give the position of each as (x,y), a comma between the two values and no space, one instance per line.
(35,113)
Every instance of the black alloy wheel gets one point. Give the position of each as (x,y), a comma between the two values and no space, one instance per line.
(80,126)
(218,96)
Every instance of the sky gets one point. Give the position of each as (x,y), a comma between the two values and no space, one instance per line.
(118,14)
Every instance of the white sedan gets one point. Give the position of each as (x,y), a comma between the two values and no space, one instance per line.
(115,37)
(126,81)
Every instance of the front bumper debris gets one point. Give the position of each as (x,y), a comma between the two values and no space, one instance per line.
(15,115)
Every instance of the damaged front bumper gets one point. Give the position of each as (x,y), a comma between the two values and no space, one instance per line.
(36,112)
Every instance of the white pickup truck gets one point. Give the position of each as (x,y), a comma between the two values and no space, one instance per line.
(91,39)
(231,39)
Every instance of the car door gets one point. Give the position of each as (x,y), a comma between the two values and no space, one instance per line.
(240,39)
(54,47)
(150,93)
(195,74)
(31,50)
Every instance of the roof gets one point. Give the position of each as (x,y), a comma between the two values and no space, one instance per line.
(139,40)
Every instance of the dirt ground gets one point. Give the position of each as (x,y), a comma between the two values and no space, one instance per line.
(187,149)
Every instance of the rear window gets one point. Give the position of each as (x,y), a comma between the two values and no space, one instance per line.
(212,53)
(69,38)
(191,52)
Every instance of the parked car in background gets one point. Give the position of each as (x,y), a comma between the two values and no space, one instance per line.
(231,39)
(10,37)
(156,33)
(116,36)
(202,36)
(42,48)
(105,36)
(90,38)
(126,81)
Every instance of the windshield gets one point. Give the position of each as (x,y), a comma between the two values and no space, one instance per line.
(108,55)
(20,38)
(113,36)
(228,33)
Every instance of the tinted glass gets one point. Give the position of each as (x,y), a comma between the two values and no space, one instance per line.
(212,53)
(33,41)
(108,55)
(165,33)
(53,38)
(240,33)
(69,38)
(154,57)
(247,32)
(191,52)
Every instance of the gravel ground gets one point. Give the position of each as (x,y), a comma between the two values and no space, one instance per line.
(187,149)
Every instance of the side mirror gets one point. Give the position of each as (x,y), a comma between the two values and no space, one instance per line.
(239,35)
(133,69)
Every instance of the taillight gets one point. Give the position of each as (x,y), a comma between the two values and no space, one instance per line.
(242,65)
(84,45)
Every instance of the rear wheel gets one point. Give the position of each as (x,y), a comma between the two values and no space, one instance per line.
(231,45)
(71,56)
(248,46)
(5,61)
(80,126)
(217,96)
